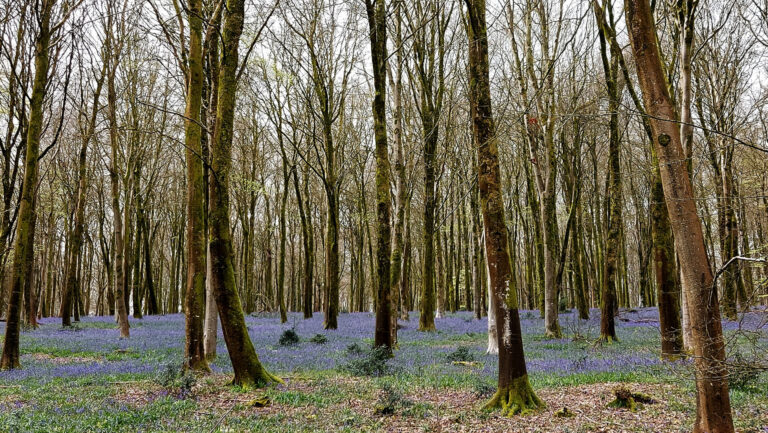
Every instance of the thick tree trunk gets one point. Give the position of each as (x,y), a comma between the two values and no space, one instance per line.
(713,413)
(514,392)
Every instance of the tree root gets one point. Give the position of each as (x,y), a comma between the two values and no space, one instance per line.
(517,398)
(261,379)
(607,339)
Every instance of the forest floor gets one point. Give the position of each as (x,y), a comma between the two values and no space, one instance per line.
(85,379)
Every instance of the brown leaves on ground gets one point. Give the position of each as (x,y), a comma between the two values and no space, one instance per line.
(350,404)
(60,360)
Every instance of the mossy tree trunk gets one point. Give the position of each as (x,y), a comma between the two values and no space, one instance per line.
(514,392)
(194,307)
(25,234)
(713,413)
(377,30)
(248,370)
(613,242)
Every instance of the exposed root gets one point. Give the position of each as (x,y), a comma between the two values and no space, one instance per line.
(607,339)
(259,380)
(517,398)
(554,334)
(626,399)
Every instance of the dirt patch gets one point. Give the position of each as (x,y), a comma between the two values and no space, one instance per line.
(61,360)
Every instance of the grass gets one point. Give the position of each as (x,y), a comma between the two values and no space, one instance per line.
(87,380)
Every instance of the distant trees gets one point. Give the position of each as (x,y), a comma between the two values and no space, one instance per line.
(289,200)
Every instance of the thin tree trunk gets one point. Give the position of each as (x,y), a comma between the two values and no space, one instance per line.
(248,370)
(377,25)
(194,349)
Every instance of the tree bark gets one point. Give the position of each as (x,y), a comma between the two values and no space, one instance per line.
(23,248)
(194,307)
(248,370)
(713,413)
(514,392)
(377,26)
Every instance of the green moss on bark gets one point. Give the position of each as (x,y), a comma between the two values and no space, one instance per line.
(517,398)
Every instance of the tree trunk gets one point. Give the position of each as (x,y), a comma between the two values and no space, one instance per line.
(25,235)
(308,245)
(613,242)
(713,413)
(427,305)
(514,392)
(667,287)
(194,307)
(248,370)
(377,25)
(281,259)
(121,306)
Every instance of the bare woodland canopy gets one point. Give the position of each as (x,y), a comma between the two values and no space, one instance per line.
(163,146)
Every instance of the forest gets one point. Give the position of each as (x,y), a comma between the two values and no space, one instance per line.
(384,215)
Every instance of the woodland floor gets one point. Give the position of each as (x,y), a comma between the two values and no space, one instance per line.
(85,379)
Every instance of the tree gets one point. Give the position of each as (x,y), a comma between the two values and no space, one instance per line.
(514,392)
(331,62)
(248,369)
(713,412)
(376,11)
(428,73)
(667,284)
(114,47)
(76,237)
(613,242)
(23,248)
(194,308)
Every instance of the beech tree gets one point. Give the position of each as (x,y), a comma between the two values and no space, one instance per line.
(48,19)
(248,369)
(514,392)
(713,412)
